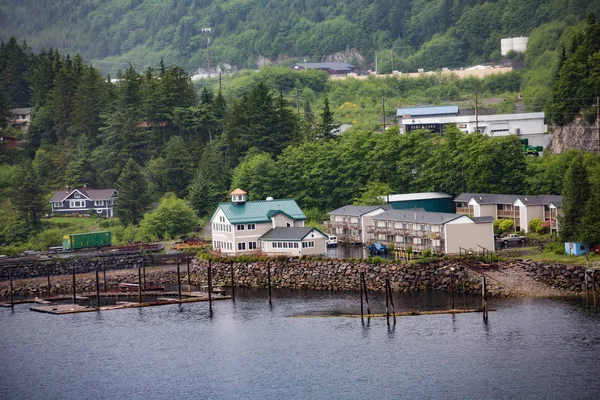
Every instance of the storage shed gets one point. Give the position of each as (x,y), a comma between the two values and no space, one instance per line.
(577,248)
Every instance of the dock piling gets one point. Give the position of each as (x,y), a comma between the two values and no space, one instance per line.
(210,285)
(269,281)
(97,287)
(392,302)
(178,281)
(74,286)
(104,272)
(484,305)
(140,283)
(188,273)
(144,271)
(587,290)
(232,283)
(360,281)
(12,304)
(48,277)
(366,295)
(387,301)
(452,286)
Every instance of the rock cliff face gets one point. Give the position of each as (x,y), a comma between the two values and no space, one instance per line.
(577,135)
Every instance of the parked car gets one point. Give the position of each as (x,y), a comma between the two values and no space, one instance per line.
(512,238)
(332,241)
(378,248)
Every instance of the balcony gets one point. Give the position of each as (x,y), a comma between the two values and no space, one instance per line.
(462,210)
(342,224)
(506,213)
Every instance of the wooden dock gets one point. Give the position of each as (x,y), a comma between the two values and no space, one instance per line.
(399,314)
(59,309)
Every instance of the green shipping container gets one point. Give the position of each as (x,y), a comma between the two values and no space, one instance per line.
(87,240)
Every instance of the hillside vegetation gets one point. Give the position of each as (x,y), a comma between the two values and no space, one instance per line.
(426,34)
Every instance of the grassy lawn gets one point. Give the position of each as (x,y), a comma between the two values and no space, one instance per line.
(562,258)
(74,224)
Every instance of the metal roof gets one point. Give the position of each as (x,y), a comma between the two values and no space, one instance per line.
(355,211)
(541,200)
(26,110)
(92,194)
(327,65)
(289,233)
(487,198)
(417,196)
(259,211)
(428,110)
(483,219)
(423,217)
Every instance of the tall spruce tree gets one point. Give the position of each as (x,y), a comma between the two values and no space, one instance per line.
(133,194)
(576,193)
(327,128)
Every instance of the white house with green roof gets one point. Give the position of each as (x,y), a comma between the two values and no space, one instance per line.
(238,226)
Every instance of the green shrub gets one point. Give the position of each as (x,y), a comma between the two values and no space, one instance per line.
(555,248)
(538,226)
(507,225)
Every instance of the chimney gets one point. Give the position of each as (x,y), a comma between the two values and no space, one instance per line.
(85,185)
(67,188)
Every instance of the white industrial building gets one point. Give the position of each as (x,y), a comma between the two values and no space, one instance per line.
(529,126)
(518,44)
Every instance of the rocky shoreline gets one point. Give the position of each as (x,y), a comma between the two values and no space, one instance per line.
(505,279)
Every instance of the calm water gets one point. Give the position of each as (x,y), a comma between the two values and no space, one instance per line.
(531,348)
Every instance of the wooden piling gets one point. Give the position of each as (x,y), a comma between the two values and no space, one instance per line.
(484,305)
(387,301)
(104,272)
(97,287)
(74,286)
(366,294)
(140,282)
(209,285)
(144,271)
(392,302)
(269,280)
(189,276)
(48,277)
(12,303)
(360,281)
(594,290)
(232,283)
(587,290)
(178,281)
(452,288)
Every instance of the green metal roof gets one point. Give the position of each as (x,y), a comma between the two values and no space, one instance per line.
(261,211)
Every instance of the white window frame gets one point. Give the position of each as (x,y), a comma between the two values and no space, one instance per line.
(251,227)
(241,246)
(240,227)
(74,203)
(57,204)
(98,203)
(251,245)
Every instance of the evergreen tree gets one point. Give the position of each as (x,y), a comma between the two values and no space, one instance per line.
(133,194)
(210,182)
(576,193)
(27,196)
(308,113)
(179,166)
(327,128)
(15,60)
(589,228)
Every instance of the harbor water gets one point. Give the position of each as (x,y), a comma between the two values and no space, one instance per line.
(303,347)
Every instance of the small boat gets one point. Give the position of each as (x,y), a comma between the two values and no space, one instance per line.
(215,289)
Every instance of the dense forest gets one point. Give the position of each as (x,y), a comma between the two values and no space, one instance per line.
(153,134)
(428,34)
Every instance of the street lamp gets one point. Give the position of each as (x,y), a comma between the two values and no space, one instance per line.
(207,30)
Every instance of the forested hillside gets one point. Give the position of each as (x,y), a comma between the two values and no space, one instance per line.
(421,33)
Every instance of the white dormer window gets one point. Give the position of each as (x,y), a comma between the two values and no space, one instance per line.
(77,195)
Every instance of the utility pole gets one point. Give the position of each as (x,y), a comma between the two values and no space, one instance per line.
(476,114)
(383,111)
(375,63)
(220,87)
(297,103)
(207,30)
